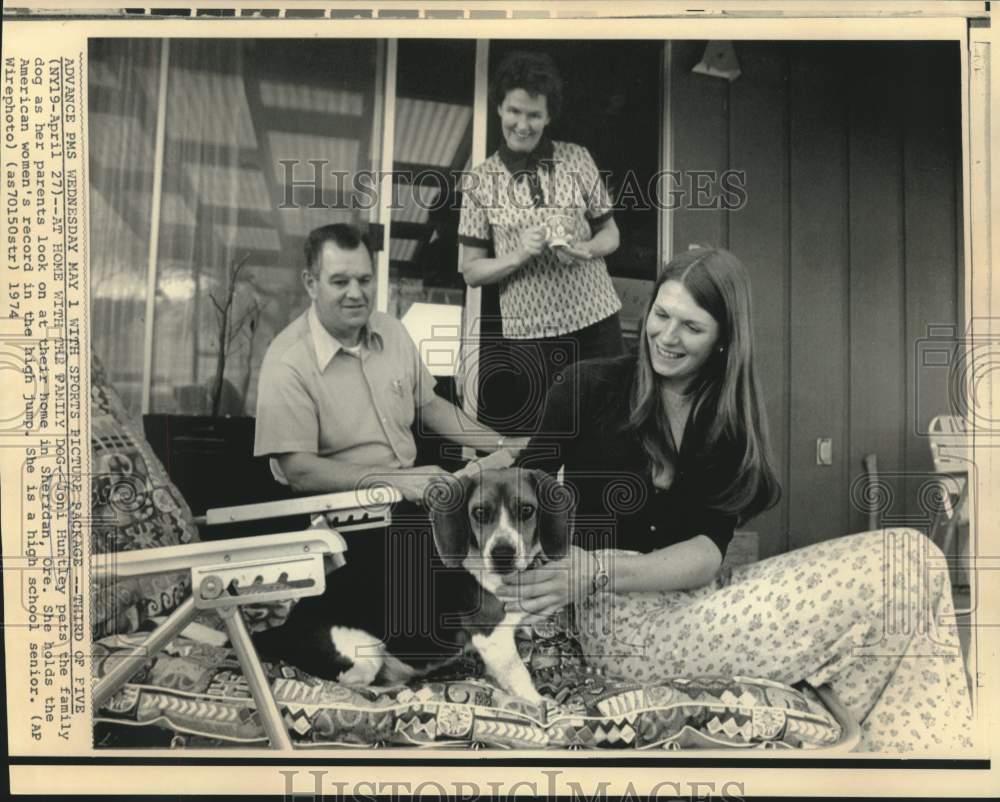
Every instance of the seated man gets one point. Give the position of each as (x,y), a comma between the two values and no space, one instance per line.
(341,385)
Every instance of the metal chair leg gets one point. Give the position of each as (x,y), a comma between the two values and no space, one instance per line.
(126,665)
(270,716)
(950,532)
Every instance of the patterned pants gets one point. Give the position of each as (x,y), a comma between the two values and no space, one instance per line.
(871,614)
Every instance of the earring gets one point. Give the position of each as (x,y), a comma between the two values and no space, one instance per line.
(722,348)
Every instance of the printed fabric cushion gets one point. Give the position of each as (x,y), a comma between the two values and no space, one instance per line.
(134,505)
(196,694)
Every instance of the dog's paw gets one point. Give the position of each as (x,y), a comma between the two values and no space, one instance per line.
(527,693)
(364,652)
(534,697)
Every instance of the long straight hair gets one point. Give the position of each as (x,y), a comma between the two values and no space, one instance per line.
(725,395)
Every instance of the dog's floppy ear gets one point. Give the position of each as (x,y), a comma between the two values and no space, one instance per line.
(447,500)
(556,505)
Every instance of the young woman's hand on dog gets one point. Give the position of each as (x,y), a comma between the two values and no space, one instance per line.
(545,590)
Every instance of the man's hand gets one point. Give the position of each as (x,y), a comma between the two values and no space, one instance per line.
(413,482)
(547,589)
(515,445)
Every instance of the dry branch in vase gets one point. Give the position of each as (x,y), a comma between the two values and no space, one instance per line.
(228,329)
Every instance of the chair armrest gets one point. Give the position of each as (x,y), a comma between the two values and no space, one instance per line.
(346,510)
(286,545)
(352,509)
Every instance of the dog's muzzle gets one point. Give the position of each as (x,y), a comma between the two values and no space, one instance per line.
(503,556)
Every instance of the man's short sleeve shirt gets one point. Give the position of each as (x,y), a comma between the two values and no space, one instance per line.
(356,407)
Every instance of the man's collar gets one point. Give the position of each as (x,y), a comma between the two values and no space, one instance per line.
(524,163)
(326,346)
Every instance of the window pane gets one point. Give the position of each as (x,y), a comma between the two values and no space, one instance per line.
(122,87)
(433,141)
(263,140)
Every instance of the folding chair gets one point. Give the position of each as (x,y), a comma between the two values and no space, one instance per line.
(950,453)
(226,574)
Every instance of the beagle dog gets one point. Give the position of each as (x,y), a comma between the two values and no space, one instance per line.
(485,525)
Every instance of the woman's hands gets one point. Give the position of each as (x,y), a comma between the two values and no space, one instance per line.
(573,252)
(478,269)
(604,242)
(542,591)
(532,242)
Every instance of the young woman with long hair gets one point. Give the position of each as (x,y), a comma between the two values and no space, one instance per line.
(666,453)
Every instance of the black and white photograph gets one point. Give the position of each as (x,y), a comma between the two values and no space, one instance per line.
(698,276)
(558,393)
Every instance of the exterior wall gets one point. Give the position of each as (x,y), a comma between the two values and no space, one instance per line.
(852,233)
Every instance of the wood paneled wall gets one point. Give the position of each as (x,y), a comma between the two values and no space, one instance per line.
(852,233)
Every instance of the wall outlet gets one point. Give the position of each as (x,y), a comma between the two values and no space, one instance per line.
(824,451)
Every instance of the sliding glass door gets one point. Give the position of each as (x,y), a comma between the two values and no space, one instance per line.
(212,159)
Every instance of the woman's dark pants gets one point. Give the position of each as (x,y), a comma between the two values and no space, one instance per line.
(515,375)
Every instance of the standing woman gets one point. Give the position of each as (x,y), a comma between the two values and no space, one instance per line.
(544,211)
(670,454)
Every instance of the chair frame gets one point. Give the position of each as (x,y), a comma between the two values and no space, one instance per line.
(949,444)
(299,561)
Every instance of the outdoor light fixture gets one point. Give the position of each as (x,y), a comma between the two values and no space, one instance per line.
(719,60)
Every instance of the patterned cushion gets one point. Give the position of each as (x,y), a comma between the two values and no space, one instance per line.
(198,691)
(134,506)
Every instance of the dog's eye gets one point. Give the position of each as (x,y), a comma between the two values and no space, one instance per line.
(525,511)
(479,514)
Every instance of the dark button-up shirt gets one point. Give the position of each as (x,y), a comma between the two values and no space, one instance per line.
(584,430)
